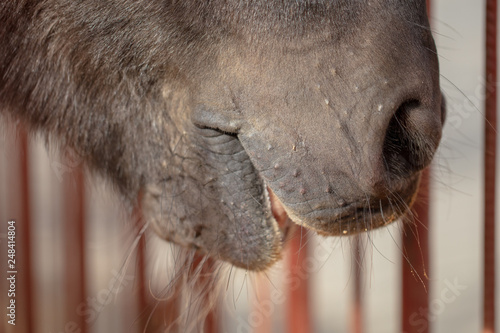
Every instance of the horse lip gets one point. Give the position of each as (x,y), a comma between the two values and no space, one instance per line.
(357,219)
(351,218)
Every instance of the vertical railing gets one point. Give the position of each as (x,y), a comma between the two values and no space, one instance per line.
(298,304)
(24,266)
(416,260)
(357,264)
(142,290)
(415,263)
(490,167)
(18,203)
(74,244)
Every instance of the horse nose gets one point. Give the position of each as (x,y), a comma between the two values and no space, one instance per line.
(412,137)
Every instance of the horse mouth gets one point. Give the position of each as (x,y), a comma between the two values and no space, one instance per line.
(350,219)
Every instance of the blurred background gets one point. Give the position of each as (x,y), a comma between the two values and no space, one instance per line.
(456,230)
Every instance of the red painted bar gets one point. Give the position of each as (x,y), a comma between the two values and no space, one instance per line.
(205,283)
(415,268)
(18,210)
(74,238)
(416,260)
(24,232)
(298,305)
(167,313)
(142,299)
(211,324)
(490,167)
(262,321)
(357,266)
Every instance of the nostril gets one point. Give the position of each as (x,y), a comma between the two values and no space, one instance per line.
(411,139)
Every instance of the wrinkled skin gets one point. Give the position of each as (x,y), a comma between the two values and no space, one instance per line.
(202,106)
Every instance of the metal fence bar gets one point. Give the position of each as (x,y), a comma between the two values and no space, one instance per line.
(208,269)
(25,263)
(415,285)
(298,304)
(142,290)
(416,263)
(261,306)
(74,240)
(357,266)
(211,322)
(490,167)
